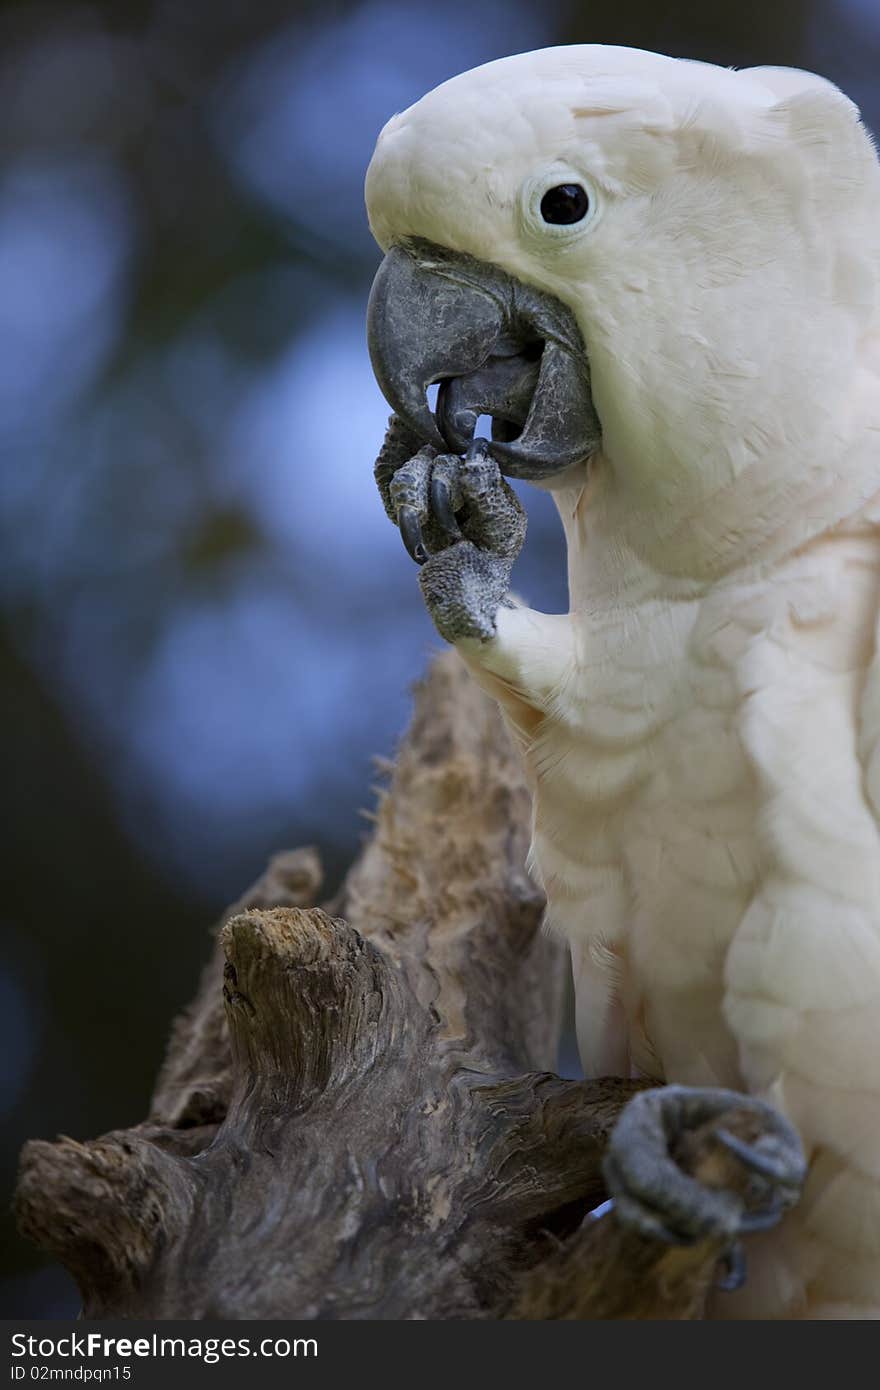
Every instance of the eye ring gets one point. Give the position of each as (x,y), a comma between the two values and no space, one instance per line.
(580,200)
(565,204)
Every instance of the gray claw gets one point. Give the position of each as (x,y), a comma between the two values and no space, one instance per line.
(658,1199)
(477,451)
(734,1266)
(411,531)
(601,1210)
(441,507)
(764,1164)
(752,1221)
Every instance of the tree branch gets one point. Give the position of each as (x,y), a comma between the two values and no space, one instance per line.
(356,1117)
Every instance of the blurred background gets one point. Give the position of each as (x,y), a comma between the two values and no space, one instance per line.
(207,626)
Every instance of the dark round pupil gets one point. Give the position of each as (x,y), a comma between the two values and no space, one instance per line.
(566,203)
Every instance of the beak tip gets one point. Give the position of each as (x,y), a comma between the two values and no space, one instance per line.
(431,319)
(424,325)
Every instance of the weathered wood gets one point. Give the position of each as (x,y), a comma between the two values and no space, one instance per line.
(357,1117)
(195,1082)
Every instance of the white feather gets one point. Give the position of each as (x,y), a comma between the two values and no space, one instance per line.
(703,730)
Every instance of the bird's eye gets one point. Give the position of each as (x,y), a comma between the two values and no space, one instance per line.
(558,205)
(564,204)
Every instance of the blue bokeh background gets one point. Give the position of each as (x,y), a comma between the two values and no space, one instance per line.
(207,626)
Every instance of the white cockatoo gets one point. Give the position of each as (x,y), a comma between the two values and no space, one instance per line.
(660,278)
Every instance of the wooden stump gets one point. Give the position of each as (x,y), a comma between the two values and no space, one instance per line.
(357,1116)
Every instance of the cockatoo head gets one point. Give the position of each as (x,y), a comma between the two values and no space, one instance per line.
(662,262)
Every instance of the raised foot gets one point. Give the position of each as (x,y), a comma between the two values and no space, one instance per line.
(463,524)
(663,1132)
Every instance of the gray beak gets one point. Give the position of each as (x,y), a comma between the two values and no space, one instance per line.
(496,346)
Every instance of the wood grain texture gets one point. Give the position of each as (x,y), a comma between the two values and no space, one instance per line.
(357,1116)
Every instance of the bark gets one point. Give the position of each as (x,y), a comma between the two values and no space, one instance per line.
(358,1116)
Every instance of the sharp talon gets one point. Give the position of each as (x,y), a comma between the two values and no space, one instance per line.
(602,1209)
(411,530)
(441,506)
(752,1221)
(478,449)
(760,1163)
(733,1263)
